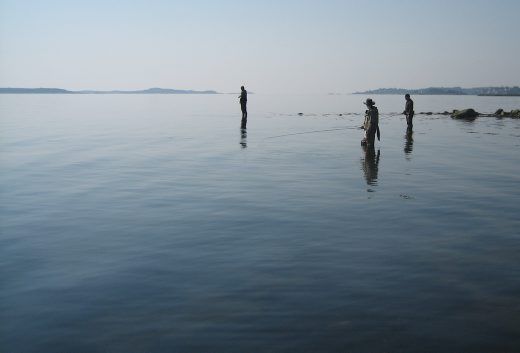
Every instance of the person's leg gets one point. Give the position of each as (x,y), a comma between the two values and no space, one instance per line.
(371,135)
(244,118)
(409,120)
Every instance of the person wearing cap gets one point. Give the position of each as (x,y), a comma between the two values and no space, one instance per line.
(371,124)
(243,106)
(408,111)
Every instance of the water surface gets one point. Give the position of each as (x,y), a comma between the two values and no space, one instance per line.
(135,223)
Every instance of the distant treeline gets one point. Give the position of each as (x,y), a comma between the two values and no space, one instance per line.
(478,91)
(64,91)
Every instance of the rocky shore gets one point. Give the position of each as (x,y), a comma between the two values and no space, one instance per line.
(464,114)
(471,114)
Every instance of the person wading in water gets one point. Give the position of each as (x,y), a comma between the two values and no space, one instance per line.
(243,106)
(408,111)
(371,124)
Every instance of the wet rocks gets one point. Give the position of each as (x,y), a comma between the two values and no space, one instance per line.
(501,113)
(465,114)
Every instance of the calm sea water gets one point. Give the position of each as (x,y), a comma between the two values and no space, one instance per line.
(134,223)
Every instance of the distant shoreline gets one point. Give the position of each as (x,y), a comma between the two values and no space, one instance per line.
(498,95)
(451,91)
(11,90)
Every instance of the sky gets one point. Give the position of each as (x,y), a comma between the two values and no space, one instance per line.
(283,46)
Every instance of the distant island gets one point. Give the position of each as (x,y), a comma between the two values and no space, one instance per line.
(9,90)
(478,91)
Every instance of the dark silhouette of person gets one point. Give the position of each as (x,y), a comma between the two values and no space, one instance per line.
(408,143)
(370,164)
(408,111)
(371,123)
(243,106)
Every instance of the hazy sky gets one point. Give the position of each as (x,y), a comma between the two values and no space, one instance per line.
(270,46)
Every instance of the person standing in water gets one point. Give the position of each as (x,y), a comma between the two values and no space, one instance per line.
(408,111)
(243,106)
(371,124)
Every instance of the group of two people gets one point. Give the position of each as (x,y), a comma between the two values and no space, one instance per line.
(371,123)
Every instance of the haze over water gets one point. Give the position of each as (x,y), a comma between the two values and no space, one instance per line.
(151,223)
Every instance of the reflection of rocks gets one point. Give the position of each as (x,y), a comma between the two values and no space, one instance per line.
(370,164)
(466,114)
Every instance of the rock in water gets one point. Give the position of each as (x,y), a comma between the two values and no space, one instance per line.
(515,113)
(468,114)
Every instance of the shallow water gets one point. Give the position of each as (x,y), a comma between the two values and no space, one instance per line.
(134,223)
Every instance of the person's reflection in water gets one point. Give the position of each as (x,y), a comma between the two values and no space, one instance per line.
(408,144)
(243,138)
(370,164)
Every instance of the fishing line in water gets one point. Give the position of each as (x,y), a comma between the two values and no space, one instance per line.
(328,130)
(313,132)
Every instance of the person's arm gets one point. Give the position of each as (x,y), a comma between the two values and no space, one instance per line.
(365,122)
(369,120)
